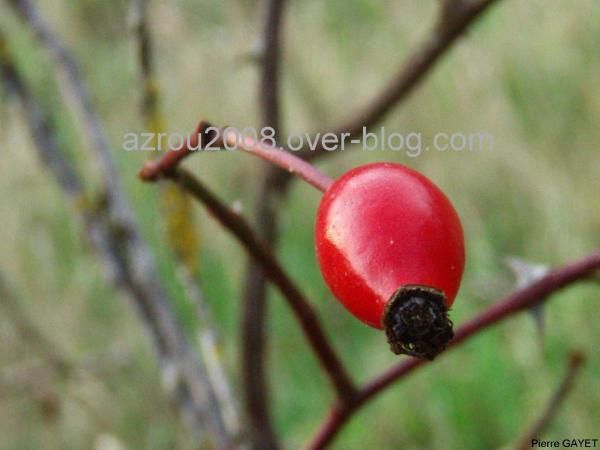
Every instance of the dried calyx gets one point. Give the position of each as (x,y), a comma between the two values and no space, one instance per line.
(416,322)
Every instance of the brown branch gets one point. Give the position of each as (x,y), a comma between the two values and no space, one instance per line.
(253,342)
(258,249)
(271,59)
(576,361)
(454,19)
(254,307)
(275,182)
(167,167)
(522,299)
(155,169)
(113,232)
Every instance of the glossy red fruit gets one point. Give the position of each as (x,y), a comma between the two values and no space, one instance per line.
(390,247)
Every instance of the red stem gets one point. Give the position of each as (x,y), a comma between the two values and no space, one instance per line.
(281,158)
(155,169)
(520,300)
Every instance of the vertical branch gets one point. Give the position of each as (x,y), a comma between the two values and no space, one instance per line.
(256,389)
(182,234)
(145,49)
(112,227)
(455,17)
(271,60)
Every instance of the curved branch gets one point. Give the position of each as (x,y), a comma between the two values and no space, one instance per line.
(261,252)
(523,299)
(280,158)
(230,139)
(454,19)
(167,167)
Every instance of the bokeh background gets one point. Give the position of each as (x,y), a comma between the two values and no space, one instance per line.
(528,73)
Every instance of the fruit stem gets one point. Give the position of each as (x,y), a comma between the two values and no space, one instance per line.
(155,169)
(279,157)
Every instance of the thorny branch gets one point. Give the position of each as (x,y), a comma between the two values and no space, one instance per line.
(523,299)
(455,18)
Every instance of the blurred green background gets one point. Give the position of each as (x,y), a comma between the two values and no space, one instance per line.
(528,73)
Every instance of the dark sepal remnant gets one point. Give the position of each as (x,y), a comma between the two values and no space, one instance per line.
(416,322)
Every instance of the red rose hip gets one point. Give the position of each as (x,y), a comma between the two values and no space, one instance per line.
(390,247)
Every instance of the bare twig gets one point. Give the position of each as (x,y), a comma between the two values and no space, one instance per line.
(271,60)
(522,299)
(275,182)
(258,248)
(254,307)
(279,158)
(74,89)
(113,232)
(180,223)
(253,337)
(262,254)
(454,19)
(576,361)
(156,169)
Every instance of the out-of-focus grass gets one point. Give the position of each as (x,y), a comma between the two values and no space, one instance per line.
(527,73)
